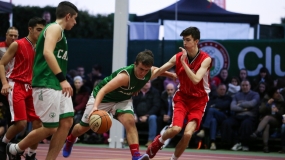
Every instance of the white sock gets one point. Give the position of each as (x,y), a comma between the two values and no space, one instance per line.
(174,157)
(31,151)
(161,140)
(5,140)
(14,149)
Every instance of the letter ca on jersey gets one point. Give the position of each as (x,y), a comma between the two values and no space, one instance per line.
(61,54)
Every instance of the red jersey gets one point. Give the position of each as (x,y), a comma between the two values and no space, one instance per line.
(3,48)
(186,86)
(20,68)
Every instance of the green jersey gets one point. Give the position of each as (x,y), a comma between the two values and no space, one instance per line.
(122,93)
(42,74)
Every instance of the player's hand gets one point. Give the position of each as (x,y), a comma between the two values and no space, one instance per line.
(184,54)
(6,88)
(136,93)
(93,110)
(66,88)
(143,118)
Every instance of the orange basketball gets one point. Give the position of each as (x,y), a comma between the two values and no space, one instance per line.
(100,121)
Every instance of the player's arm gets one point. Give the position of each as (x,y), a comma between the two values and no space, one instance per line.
(120,80)
(52,36)
(161,71)
(164,74)
(7,57)
(195,78)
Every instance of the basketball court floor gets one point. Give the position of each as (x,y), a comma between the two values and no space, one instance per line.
(102,152)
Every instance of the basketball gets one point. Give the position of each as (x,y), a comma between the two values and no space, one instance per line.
(100,121)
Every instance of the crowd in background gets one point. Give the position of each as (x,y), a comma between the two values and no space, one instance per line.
(239,110)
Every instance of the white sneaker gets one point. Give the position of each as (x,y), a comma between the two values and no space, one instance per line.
(237,147)
(245,148)
(201,134)
(166,142)
(213,146)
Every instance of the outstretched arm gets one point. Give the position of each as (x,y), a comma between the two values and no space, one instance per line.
(7,57)
(161,71)
(195,78)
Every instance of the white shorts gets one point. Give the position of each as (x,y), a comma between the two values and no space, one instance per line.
(51,106)
(114,108)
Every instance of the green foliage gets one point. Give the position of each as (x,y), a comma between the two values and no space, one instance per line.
(87,27)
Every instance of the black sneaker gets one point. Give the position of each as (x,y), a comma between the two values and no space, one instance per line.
(11,156)
(3,150)
(32,157)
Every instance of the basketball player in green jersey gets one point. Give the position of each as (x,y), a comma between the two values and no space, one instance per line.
(51,91)
(114,94)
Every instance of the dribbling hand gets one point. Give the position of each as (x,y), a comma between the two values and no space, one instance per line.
(66,88)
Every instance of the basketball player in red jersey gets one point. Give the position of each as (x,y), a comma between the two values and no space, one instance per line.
(17,84)
(192,69)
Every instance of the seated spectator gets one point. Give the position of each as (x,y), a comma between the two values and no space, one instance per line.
(146,107)
(3,122)
(223,77)
(166,111)
(243,75)
(79,98)
(216,112)
(81,72)
(234,86)
(283,135)
(238,127)
(271,109)
(261,89)
(96,74)
(263,76)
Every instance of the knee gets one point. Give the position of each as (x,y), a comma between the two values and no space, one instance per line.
(66,122)
(127,122)
(175,129)
(21,125)
(188,134)
(152,118)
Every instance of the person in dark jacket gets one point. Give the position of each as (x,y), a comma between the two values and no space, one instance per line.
(147,108)
(217,111)
(271,109)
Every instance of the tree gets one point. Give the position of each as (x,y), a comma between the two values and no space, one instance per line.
(87,27)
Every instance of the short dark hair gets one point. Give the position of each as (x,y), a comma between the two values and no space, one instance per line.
(193,31)
(97,67)
(65,8)
(36,20)
(145,57)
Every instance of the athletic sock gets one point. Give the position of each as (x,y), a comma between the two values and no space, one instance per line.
(71,138)
(174,157)
(14,149)
(5,140)
(134,148)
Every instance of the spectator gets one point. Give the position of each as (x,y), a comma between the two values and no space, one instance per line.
(264,76)
(283,135)
(79,98)
(147,106)
(166,112)
(234,86)
(3,121)
(261,89)
(271,110)
(217,111)
(223,77)
(243,75)
(245,106)
(81,72)
(95,75)
(47,16)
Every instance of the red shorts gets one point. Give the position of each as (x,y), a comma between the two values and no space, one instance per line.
(187,109)
(21,102)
